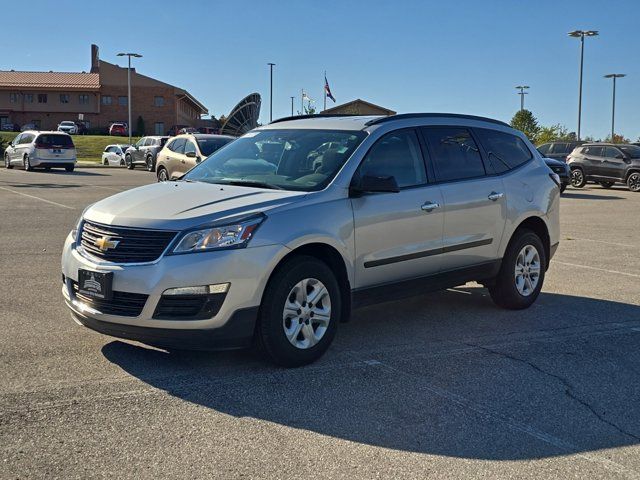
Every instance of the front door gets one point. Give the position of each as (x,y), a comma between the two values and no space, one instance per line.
(613,163)
(475,203)
(593,161)
(398,236)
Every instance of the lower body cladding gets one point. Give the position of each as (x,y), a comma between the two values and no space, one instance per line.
(205,300)
(52,162)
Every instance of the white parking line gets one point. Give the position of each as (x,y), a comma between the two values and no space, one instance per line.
(596,268)
(601,241)
(38,198)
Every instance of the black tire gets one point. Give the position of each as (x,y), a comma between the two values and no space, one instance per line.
(606,184)
(129,162)
(504,292)
(7,163)
(563,187)
(27,164)
(163,175)
(633,182)
(270,332)
(105,162)
(578,179)
(69,168)
(151,167)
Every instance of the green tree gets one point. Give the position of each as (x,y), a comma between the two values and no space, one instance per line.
(554,133)
(524,121)
(140,132)
(617,139)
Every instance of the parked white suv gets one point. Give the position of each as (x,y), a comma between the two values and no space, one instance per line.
(33,149)
(275,237)
(68,127)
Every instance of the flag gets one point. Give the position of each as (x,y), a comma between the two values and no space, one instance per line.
(327,90)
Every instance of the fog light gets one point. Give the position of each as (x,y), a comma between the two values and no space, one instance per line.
(198,290)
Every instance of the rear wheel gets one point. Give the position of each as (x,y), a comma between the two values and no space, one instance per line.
(27,164)
(150,166)
(300,312)
(578,180)
(7,162)
(521,275)
(105,162)
(633,182)
(69,168)
(129,162)
(606,184)
(163,176)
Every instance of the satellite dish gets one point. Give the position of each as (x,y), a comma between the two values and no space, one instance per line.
(243,117)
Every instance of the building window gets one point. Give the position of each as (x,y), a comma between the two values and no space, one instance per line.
(28,98)
(64,98)
(42,98)
(13,97)
(122,101)
(83,99)
(159,128)
(106,100)
(158,101)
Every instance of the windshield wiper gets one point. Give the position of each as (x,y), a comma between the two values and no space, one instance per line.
(250,183)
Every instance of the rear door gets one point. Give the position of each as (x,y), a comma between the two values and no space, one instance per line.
(189,161)
(398,236)
(174,159)
(474,200)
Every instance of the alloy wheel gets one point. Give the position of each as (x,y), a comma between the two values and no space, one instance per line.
(577,178)
(307,313)
(527,270)
(633,182)
(162,175)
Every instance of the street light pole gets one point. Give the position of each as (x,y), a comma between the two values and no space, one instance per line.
(613,107)
(581,34)
(136,55)
(522,93)
(271,65)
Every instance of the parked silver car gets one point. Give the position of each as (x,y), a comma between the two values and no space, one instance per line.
(275,238)
(34,149)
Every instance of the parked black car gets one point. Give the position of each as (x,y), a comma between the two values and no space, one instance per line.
(606,164)
(558,150)
(563,171)
(145,152)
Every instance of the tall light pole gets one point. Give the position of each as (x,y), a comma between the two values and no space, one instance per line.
(581,34)
(271,65)
(135,55)
(522,93)
(613,108)
(292,98)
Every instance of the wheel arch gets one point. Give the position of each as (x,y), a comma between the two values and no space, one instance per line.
(630,171)
(539,227)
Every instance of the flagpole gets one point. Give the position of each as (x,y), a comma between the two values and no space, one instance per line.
(302,103)
(324,88)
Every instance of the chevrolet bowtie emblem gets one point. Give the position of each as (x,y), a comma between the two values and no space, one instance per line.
(105,243)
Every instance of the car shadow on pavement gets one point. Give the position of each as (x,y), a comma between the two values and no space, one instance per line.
(445,374)
(590,196)
(75,173)
(44,185)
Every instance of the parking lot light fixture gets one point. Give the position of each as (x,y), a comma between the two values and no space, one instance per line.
(135,55)
(613,107)
(581,34)
(522,93)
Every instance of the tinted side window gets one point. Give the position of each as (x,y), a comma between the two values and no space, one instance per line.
(396,154)
(454,152)
(595,151)
(27,138)
(177,145)
(544,149)
(505,151)
(189,147)
(611,152)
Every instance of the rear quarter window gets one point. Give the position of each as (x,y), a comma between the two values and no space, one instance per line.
(505,151)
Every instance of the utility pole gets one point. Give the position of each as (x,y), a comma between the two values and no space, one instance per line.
(613,107)
(135,55)
(292,105)
(522,93)
(581,34)
(271,65)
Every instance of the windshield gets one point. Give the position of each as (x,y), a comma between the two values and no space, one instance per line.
(630,150)
(210,145)
(303,160)
(68,124)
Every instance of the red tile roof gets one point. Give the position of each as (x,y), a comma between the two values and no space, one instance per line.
(67,80)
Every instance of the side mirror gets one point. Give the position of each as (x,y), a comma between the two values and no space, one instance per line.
(620,156)
(374,184)
(198,159)
(191,154)
(176,176)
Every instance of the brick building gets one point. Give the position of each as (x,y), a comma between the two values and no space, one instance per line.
(47,98)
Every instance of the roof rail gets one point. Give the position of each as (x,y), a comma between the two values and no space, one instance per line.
(315,115)
(402,116)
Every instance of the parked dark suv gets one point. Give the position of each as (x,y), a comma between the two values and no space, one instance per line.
(145,152)
(606,164)
(558,150)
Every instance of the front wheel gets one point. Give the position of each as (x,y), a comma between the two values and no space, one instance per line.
(606,184)
(150,166)
(521,274)
(633,182)
(7,162)
(578,180)
(163,176)
(300,312)
(129,162)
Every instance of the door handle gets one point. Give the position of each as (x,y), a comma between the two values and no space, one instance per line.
(493,196)
(430,206)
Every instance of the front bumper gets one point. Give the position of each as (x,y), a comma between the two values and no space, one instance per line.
(246,270)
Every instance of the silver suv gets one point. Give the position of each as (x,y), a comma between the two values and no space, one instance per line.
(278,235)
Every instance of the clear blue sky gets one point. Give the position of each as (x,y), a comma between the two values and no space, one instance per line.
(455,56)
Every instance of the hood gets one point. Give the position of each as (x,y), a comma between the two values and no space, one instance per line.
(180,205)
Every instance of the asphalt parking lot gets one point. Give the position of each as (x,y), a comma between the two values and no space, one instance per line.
(444,385)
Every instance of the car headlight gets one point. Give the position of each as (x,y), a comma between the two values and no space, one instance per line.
(76,228)
(235,235)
